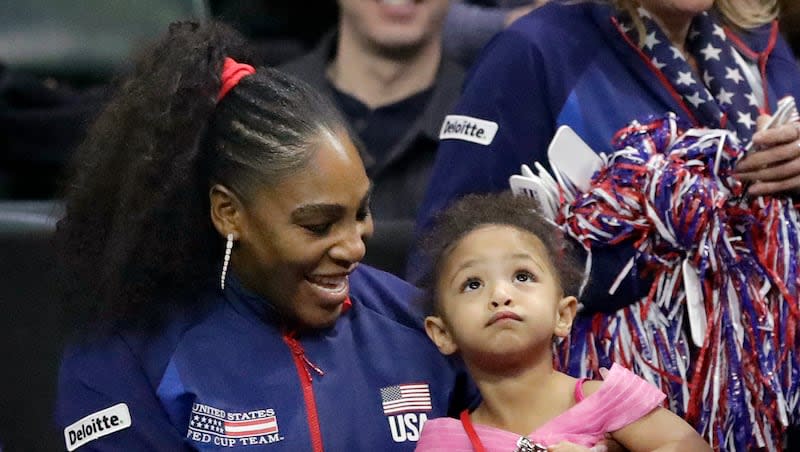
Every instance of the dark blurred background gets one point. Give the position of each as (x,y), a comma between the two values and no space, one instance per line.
(57,59)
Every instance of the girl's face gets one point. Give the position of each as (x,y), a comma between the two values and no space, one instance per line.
(498,295)
(300,239)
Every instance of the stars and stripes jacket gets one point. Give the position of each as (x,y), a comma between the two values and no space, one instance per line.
(230,377)
(567,64)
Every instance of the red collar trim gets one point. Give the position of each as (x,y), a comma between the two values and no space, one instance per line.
(656,71)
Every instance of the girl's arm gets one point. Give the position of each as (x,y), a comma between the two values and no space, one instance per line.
(660,430)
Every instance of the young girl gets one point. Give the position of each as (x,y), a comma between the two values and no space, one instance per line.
(500,294)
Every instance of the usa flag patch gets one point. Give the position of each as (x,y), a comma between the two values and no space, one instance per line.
(212,425)
(406,397)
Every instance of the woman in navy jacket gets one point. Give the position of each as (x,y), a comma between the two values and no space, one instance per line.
(214,230)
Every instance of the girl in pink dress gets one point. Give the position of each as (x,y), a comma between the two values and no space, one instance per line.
(499,296)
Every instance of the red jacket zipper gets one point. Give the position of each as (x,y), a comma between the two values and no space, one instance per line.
(303,365)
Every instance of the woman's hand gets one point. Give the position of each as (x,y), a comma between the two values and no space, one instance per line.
(774,164)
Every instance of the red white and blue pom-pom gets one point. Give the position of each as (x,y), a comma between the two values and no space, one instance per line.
(717,332)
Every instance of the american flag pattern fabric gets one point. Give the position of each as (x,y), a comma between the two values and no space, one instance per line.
(720,95)
(406,397)
(207,423)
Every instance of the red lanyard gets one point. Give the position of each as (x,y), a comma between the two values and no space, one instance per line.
(524,444)
(471,433)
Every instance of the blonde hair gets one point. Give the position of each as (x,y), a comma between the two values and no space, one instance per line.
(748,14)
(743,14)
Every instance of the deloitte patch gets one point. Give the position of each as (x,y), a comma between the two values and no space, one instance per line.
(97,425)
(467,128)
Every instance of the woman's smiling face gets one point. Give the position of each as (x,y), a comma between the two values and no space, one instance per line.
(301,238)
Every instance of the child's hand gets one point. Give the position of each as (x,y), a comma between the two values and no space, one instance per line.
(566,446)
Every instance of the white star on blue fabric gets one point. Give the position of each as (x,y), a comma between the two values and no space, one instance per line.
(746,120)
(650,41)
(676,53)
(695,99)
(733,74)
(657,63)
(752,100)
(685,78)
(725,97)
(710,52)
(719,31)
(707,78)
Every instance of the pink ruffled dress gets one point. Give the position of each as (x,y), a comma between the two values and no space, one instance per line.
(622,399)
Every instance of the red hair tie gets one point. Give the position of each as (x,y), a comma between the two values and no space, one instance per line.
(232,72)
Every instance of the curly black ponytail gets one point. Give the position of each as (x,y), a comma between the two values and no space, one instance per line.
(137,237)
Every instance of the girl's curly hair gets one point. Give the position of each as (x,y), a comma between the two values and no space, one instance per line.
(475,211)
(137,237)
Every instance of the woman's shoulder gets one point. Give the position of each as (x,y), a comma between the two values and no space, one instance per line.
(387,296)
(384,293)
(557,19)
(368,281)
(148,348)
(555,34)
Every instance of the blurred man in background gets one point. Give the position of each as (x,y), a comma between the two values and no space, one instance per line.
(383,68)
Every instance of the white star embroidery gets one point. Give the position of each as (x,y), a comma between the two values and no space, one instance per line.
(625,29)
(724,97)
(685,78)
(719,31)
(752,100)
(707,78)
(196,417)
(746,120)
(676,53)
(695,99)
(710,52)
(657,63)
(650,41)
(733,74)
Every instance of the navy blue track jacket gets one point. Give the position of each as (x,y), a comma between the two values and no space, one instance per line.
(232,378)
